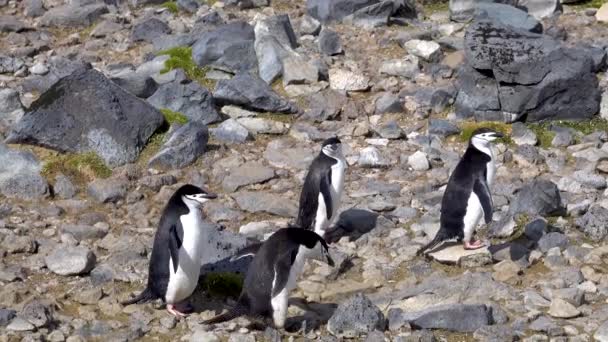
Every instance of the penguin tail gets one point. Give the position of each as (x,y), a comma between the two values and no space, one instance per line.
(237,311)
(144,297)
(439,238)
(250,250)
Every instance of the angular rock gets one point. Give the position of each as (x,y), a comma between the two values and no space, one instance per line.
(87,112)
(11,24)
(286,154)
(552,240)
(456,254)
(418,161)
(278,27)
(532,76)
(601,334)
(371,157)
(593,223)
(246,174)
(270,54)
(326,105)
(255,202)
(389,103)
(562,309)
(33,8)
(73,15)
(263,126)
(341,79)
(299,71)
(11,109)
(309,26)
(538,197)
(356,316)
(451,317)
(9,65)
(366,13)
(20,175)
(508,15)
(68,260)
(464,10)
(188,5)
(187,98)
(230,48)
(541,9)
(108,190)
(230,131)
(183,148)
(149,30)
(329,42)
(425,49)
(407,67)
(37,312)
(63,187)
(59,67)
(84,232)
(535,229)
(251,92)
(6,315)
(442,128)
(522,135)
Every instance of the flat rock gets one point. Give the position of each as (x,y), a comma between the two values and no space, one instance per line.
(287,154)
(562,309)
(425,49)
(247,174)
(184,147)
(20,175)
(263,126)
(341,79)
(73,15)
(456,253)
(372,157)
(6,315)
(87,112)
(601,334)
(230,131)
(454,317)
(187,98)
(108,190)
(138,84)
(256,202)
(11,24)
(149,29)
(68,260)
(407,67)
(508,15)
(251,92)
(522,135)
(356,316)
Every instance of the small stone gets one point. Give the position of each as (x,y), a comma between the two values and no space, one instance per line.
(561,309)
(14,244)
(231,132)
(407,67)
(20,324)
(108,190)
(340,79)
(6,315)
(329,42)
(602,14)
(39,313)
(204,336)
(601,334)
(418,161)
(355,316)
(64,188)
(442,128)
(309,25)
(371,157)
(263,126)
(39,69)
(506,270)
(68,260)
(552,240)
(522,135)
(425,49)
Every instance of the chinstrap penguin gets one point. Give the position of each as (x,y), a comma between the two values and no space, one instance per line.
(467,197)
(271,276)
(175,259)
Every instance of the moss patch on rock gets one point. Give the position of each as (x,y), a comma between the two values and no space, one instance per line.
(174,117)
(80,167)
(171,6)
(223,284)
(181,58)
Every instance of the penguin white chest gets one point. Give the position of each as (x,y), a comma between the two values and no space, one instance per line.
(183,282)
(337,183)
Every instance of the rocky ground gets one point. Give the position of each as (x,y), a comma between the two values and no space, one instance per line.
(106,107)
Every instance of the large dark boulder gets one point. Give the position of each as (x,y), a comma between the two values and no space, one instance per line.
(230,47)
(513,74)
(86,112)
(361,12)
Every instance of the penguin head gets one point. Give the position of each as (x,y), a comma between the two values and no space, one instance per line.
(193,196)
(485,136)
(332,147)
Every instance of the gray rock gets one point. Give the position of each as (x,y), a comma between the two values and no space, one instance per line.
(356,316)
(69,260)
(299,71)
(11,24)
(346,80)
(33,8)
(11,109)
(538,197)
(230,131)
(37,312)
(287,154)
(20,175)
(593,223)
(552,240)
(149,30)
(184,147)
(246,174)
(442,128)
(73,15)
(601,334)
(524,86)
(278,27)
(59,67)
(20,324)
(325,105)
(376,15)
(535,229)
(200,335)
(187,98)
(188,5)
(407,67)
(418,161)
(9,65)
(270,54)
(251,92)
(361,12)
(256,202)
(541,9)
(562,309)
(140,85)
(6,315)
(464,10)
(263,126)
(371,157)
(14,244)
(389,103)
(309,26)
(84,232)
(508,15)
(108,190)
(64,188)
(329,42)
(230,47)
(87,112)
(451,317)
(425,49)
(590,179)
(522,135)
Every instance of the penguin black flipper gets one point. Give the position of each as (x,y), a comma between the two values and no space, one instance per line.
(325,188)
(282,270)
(176,235)
(480,188)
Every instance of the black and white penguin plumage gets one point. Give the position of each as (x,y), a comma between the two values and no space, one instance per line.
(175,261)
(467,197)
(271,276)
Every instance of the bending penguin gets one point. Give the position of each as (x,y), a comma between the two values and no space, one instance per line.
(321,194)
(271,276)
(175,260)
(467,197)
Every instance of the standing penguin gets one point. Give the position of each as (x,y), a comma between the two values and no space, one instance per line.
(467,197)
(178,243)
(271,276)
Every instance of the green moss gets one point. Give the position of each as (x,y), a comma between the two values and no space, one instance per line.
(81,168)
(585,126)
(436,6)
(181,58)
(171,6)
(467,129)
(285,118)
(153,146)
(543,134)
(174,117)
(589,3)
(223,284)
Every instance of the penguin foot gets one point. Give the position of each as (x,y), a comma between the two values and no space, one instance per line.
(172,310)
(473,245)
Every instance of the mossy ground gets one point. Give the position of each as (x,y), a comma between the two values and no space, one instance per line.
(436,6)
(223,284)
(468,127)
(181,58)
(172,117)
(171,6)
(545,135)
(80,168)
(153,146)
(589,4)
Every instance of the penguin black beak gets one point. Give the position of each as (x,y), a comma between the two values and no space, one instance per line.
(209,195)
(499,135)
